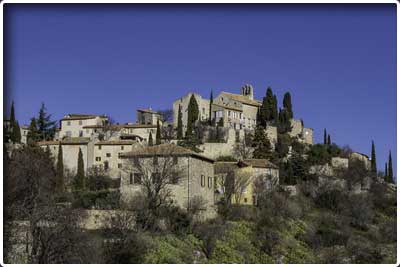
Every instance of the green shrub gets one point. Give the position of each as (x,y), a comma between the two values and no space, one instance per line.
(225,158)
(102,199)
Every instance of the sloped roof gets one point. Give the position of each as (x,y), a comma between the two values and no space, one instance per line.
(121,126)
(225,166)
(116,142)
(243,99)
(81,117)
(164,150)
(228,107)
(147,111)
(67,141)
(260,163)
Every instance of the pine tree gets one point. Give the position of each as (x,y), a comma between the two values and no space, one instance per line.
(150,139)
(210,111)
(390,168)
(373,159)
(261,143)
(329,139)
(180,127)
(158,134)
(193,115)
(46,127)
(60,169)
(33,134)
(80,174)
(325,137)
(287,104)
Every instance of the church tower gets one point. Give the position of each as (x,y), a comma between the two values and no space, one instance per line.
(247,90)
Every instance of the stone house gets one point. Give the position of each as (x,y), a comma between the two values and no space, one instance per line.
(362,157)
(24,134)
(248,170)
(72,125)
(70,148)
(183,102)
(147,116)
(192,174)
(303,134)
(107,154)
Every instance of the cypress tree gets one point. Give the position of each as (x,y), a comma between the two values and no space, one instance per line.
(12,114)
(150,139)
(261,143)
(60,169)
(287,104)
(325,137)
(80,174)
(210,111)
(275,110)
(386,171)
(390,168)
(158,134)
(193,115)
(373,159)
(267,110)
(48,152)
(329,139)
(16,133)
(180,127)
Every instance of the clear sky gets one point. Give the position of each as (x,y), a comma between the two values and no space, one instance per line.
(337,61)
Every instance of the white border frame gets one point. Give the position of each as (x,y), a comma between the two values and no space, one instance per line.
(202,2)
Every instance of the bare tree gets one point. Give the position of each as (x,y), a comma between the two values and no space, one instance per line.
(109,129)
(167,132)
(243,149)
(240,183)
(52,233)
(155,175)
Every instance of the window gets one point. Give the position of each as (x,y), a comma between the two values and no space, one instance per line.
(98,158)
(99,147)
(80,133)
(155,177)
(136,160)
(80,122)
(137,178)
(131,178)
(87,131)
(155,160)
(245,200)
(203,181)
(210,182)
(175,160)
(229,113)
(108,155)
(68,133)
(105,165)
(119,165)
(204,110)
(68,123)
(122,147)
(174,179)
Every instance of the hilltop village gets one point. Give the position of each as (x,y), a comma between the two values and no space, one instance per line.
(205,155)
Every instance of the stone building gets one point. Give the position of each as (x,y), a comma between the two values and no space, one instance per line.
(70,148)
(192,173)
(303,134)
(72,125)
(24,133)
(251,169)
(107,155)
(362,157)
(147,116)
(183,102)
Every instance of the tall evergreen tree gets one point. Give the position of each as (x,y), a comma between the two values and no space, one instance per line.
(80,174)
(386,171)
(390,168)
(268,112)
(210,111)
(12,114)
(46,127)
(329,139)
(193,115)
(275,115)
(373,159)
(180,127)
(158,134)
(16,132)
(150,139)
(261,144)
(60,169)
(284,125)
(287,104)
(325,137)
(33,134)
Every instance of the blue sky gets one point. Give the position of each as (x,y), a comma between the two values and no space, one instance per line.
(338,61)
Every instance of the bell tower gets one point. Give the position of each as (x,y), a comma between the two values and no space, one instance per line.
(247,90)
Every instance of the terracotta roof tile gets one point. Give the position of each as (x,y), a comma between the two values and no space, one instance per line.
(242,99)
